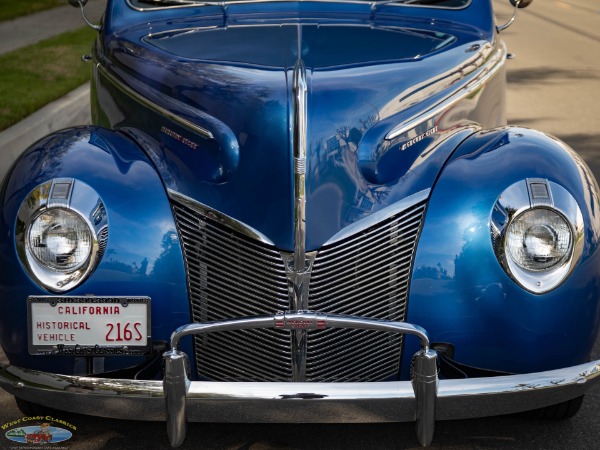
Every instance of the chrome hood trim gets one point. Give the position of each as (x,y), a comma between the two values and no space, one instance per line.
(152,106)
(379,216)
(219,216)
(488,62)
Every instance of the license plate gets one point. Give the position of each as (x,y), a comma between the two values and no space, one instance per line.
(89,326)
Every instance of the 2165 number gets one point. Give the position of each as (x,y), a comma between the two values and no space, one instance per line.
(124,332)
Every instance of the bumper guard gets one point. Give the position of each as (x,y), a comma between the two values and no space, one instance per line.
(177,400)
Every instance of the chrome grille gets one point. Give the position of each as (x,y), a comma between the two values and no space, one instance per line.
(102,242)
(366,275)
(231,275)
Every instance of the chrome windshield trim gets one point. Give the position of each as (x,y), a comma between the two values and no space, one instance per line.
(379,216)
(220,217)
(373,4)
(153,106)
(495,62)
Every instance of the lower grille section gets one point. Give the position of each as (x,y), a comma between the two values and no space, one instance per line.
(231,275)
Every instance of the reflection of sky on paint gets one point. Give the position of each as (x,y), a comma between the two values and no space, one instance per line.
(471,227)
(129,239)
(58,434)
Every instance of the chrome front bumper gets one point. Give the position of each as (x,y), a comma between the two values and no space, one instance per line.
(424,400)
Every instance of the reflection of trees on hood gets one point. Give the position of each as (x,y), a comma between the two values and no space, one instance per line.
(165,263)
(44,161)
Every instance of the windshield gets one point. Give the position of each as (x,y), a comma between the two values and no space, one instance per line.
(145,4)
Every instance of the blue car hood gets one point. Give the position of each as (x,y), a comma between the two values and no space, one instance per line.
(234,83)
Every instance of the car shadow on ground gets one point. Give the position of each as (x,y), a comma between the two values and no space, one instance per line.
(550,75)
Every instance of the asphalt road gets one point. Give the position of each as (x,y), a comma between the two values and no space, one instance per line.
(554,86)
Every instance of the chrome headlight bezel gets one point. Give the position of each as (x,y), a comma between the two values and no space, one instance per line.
(536,196)
(62,197)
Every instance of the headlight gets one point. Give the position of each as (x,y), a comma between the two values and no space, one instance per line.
(60,239)
(61,230)
(537,233)
(539,239)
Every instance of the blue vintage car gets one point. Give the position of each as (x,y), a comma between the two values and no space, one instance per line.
(301,211)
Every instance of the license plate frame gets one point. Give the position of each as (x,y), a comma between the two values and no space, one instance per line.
(71,325)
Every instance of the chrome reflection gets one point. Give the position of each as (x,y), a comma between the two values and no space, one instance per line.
(527,195)
(488,63)
(219,217)
(424,380)
(70,195)
(279,402)
(153,106)
(379,216)
(298,266)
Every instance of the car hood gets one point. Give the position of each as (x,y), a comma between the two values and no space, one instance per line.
(223,135)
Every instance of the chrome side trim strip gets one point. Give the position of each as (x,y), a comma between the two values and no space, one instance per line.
(219,216)
(379,216)
(492,66)
(153,106)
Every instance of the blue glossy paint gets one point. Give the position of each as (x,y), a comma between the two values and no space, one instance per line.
(228,70)
(459,291)
(365,68)
(143,255)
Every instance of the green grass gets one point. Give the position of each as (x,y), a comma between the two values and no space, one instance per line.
(34,76)
(10,9)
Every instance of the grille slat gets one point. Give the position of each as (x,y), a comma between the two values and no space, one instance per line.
(354,281)
(231,275)
(358,242)
(262,252)
(377,253)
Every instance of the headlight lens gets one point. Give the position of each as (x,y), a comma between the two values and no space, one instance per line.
(60,239)
(539,239)
(61,233)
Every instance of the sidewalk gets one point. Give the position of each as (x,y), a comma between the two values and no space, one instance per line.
(73,109)
(36,27)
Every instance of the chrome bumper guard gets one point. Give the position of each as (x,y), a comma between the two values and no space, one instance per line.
(424,399)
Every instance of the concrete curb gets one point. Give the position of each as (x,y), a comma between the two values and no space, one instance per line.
(70,110)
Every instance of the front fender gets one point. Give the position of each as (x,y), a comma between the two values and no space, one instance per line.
(459,291)
(143,255)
